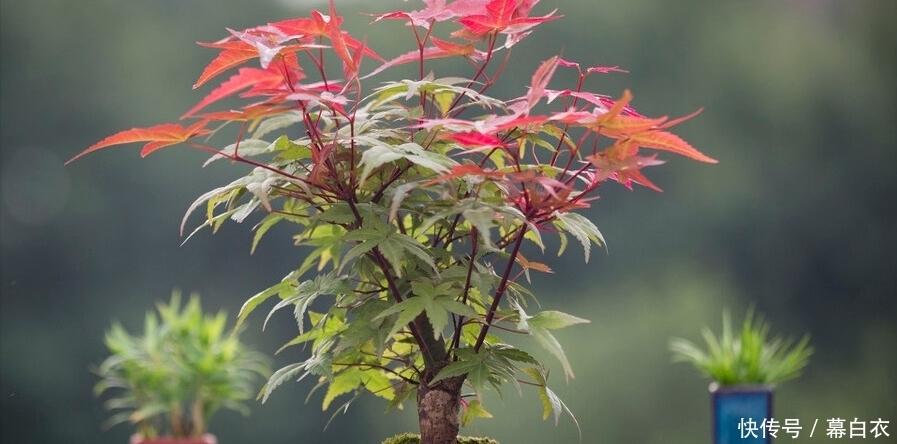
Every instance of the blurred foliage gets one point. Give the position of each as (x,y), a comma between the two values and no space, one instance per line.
(747,357)
(799,218)
(184,367)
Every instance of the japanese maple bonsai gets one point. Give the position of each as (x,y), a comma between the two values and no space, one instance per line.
(183,368)
(413,196)
(744,368)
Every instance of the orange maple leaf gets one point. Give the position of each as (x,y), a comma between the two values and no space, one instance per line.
(158,136)
(662,140)
(247,113)
(225,60)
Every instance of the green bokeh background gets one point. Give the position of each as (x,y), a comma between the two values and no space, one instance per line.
(799,217)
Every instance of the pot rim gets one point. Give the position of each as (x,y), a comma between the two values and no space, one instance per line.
(716,387)
(206,438)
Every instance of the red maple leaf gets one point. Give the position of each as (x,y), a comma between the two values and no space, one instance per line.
(340,45)
(436,11)
(474,139)
(316,26)
(243,79)
(441,48)
(264,43)
(537,87)
(321,25)
(501,16)
(269,41)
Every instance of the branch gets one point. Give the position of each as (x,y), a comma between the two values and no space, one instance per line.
(474,239)
(500,291)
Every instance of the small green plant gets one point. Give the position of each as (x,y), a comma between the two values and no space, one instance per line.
(184,368)
(750,358)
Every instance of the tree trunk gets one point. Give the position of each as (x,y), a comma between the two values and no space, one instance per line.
(438,406)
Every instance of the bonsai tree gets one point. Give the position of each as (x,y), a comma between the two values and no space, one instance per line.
(748,358)
(413,196)
(170,380)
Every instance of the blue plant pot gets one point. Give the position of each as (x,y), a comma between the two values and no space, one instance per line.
(739,414)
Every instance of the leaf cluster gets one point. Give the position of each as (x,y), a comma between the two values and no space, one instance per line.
(183,368)
(751,357)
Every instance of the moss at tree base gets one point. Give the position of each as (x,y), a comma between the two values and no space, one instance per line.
(411,438)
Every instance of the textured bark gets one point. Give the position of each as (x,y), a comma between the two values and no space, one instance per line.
(204,439)
(438,407)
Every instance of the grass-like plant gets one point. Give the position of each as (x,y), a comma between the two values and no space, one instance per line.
(751,358)
(185,366)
